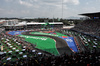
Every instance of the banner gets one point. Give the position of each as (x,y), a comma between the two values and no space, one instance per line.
(15,32)
(71,43)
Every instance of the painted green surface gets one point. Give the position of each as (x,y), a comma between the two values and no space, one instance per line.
(57,34)
(43,43)
(40,33)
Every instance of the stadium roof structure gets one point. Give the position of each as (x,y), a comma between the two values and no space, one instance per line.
(31,23)
(44,23)
(91,15)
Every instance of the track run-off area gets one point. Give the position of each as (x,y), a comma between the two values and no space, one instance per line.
(53,42)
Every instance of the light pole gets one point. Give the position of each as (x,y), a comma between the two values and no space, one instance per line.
(62,9)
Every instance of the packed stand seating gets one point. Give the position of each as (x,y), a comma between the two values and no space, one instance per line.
(84,42)
(15,48)
(89,42)
(31,57)
(16,39)
(89,27)
(78,59)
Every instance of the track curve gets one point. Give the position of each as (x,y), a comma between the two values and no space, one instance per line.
(61,44)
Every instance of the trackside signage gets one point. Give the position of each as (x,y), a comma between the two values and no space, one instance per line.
(15,32)
(69,40)
(44,34)
(71,43)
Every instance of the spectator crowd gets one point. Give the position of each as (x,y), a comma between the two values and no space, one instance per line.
(89,27)
(41,59)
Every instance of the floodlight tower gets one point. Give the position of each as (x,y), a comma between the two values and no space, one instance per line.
(62,9)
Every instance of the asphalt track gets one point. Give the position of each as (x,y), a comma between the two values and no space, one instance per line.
(61,44)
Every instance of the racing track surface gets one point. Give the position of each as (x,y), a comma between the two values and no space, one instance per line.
(61,44)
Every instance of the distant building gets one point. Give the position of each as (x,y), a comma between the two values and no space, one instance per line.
(15,24)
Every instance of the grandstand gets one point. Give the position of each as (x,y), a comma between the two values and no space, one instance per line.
(48,44)
(90,26)
(15,25)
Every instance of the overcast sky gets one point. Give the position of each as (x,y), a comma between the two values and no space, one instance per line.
(47,8)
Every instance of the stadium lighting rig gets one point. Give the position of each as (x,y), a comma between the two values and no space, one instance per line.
(62,9)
